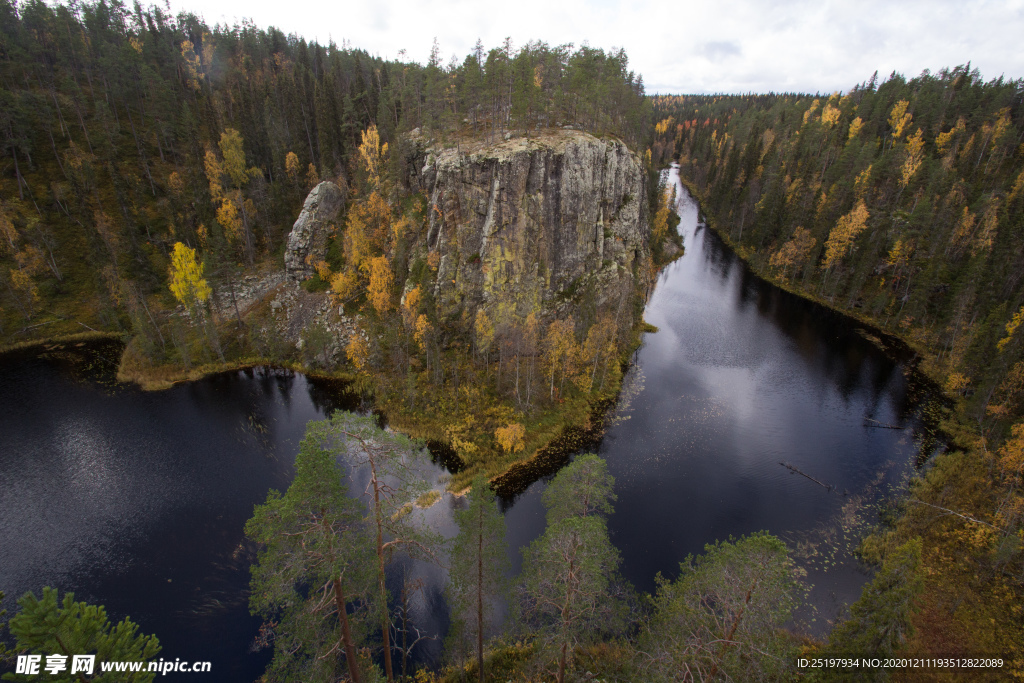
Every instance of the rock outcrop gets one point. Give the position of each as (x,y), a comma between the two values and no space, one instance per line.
(307,242)
(534,224)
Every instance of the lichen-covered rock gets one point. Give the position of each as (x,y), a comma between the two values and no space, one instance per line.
(531,224)
(307,242)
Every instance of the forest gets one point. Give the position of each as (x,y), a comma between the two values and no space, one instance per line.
(153,164)
(900,203)
(321,584)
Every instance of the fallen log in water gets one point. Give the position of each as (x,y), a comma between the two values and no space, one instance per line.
(881,425)
(793,469)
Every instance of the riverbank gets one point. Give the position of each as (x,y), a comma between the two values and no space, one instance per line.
(968,605)
(69,338)
(908,351)
(459,420)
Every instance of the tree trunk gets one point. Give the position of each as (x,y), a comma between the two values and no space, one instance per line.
(385,626)
(732,632)
(346,633)
(17,173)
(480,595)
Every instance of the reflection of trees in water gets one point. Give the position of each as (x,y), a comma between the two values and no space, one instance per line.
(328,394)
(854,357)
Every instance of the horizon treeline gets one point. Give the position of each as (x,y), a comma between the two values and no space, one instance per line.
(109,114)
(900,200)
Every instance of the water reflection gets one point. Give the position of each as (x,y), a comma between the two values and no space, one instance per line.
(138,500)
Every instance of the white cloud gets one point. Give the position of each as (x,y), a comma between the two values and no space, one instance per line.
(727,46)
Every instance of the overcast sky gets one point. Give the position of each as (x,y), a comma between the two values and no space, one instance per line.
(680,46)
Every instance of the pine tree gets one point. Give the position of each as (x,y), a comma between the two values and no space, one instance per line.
(724,615)
(479,566)
(582,488)
(389,459)
(569,579)
(566,586)
(314,565)
(50,626)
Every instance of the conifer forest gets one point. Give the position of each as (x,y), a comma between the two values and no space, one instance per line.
(462,261)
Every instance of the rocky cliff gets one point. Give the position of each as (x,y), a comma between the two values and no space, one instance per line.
(307,242)
(534,224)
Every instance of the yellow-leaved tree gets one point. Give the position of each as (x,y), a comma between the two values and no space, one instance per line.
(484,333)
(915,155)
(187,282)
(794,253)
(370,233)
(830,115)
(659,229)
(899,119)
(510,437)
(291,167)
(381,280)
(855,127)
(358,352)
(228,177)
(841,237)
(560,351)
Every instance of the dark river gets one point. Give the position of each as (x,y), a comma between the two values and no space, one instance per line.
(138,500)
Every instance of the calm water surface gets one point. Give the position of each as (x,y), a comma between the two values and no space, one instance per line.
(137,500)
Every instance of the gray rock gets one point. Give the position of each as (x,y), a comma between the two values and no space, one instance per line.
(307,242)
(532,223)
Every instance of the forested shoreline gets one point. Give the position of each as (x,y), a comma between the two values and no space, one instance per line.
(899,202)
(109,112)
(152,162)
(154,165)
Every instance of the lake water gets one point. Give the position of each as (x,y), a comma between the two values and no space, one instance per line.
(138,500)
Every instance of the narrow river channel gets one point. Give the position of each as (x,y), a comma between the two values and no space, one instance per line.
(137,500)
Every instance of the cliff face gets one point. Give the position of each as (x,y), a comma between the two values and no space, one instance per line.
(534,225)
(307,242)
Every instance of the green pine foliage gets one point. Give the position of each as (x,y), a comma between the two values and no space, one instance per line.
(570,592)
(478,575)
(50,625)
(389,462)
(725,615)
(315,571)
(582,488)
(566,587)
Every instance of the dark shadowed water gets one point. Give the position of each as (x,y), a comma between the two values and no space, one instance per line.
(138,500)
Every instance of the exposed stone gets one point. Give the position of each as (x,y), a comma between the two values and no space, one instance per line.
(531,223)
(307,242)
